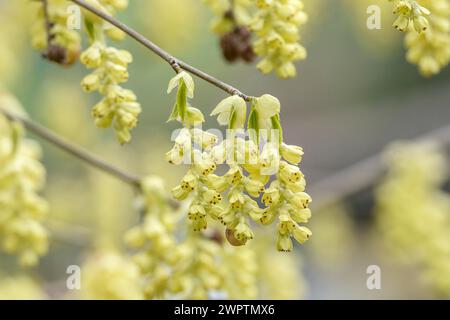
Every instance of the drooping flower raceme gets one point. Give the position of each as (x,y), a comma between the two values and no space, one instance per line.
(241,268)
(428,32)
(155,240)
(63,44)
(410,12)
(413,213)
(22,176)
(430,50)
(108,275)
(231,198)
(276,24)
(119,106)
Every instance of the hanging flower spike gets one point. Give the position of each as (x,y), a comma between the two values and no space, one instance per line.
(119,106)
(21,178)
(109,275)
(410,11)
(430,50)
(285,198)
(194,146)
(410,194)
(277,24)
(231,198)
(172,266)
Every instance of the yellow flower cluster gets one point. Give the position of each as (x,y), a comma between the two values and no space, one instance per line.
(228,14)
(155,240)
(242,271)
(63,44)
(230,198)
(279,275)
(430,50)
(413,213)
(21,177)
(277,24)
(107,275)
(186,268)
(176,263)
(119,106)
(408,11)
(20,287)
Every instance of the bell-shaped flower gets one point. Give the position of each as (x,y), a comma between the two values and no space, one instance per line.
(284,243)
(301,234)
(253,187)
(242,232)
(231,112)
(271,195)
(270,159)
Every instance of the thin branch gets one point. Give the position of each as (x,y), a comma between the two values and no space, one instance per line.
(362,174)
(73,149)
(175,63)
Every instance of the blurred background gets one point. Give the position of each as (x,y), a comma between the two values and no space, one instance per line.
(354,95)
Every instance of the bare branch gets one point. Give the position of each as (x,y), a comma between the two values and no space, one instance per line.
(73,149)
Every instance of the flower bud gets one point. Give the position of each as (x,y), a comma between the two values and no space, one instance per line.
(301,234)
(292,154)
(284,243)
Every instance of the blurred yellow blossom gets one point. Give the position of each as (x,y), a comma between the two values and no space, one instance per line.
(22,176)
(108,275)
(279,275)
(21,287)
(413,213)
(430,50)
(60,43)
(334,238)
(118,107)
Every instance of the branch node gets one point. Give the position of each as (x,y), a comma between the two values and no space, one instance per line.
(175,65)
